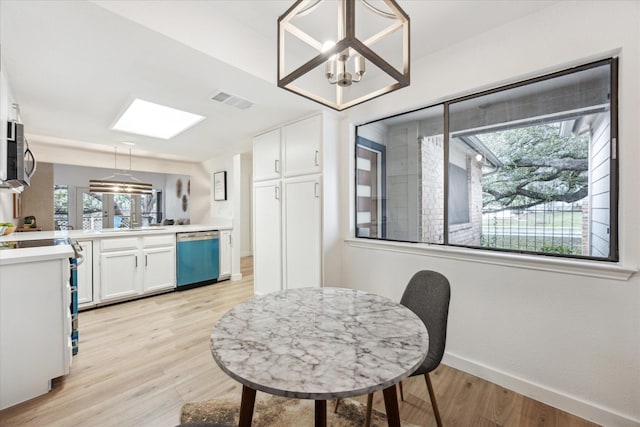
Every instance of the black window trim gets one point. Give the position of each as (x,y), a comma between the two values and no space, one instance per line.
(614,255)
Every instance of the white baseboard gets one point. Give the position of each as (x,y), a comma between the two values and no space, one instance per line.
(236,277)
(245,253)
(555,398)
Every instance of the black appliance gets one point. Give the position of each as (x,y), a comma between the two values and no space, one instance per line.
(21,163)
(77,259)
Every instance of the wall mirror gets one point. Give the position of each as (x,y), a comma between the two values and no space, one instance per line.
(75,207)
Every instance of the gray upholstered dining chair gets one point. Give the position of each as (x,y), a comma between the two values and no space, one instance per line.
(427,294)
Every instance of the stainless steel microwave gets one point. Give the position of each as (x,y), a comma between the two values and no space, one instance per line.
(21,163)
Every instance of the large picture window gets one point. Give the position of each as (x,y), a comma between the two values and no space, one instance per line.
(530,167)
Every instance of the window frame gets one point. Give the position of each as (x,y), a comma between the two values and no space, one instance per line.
(614,255)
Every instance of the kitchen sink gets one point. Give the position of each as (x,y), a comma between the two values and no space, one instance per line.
(124,230)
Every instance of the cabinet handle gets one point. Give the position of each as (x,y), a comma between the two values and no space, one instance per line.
(145,259)
(316,186)
(315,158)
(136,261)
(277,193)
(230,241)
(277,165)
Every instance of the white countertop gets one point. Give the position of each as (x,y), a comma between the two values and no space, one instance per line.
(110,232)
(43,253)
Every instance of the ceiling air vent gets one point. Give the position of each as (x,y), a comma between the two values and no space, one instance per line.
(231,100)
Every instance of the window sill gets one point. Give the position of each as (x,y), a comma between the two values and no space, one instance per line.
(602,269)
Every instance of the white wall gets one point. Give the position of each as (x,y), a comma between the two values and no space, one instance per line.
(232,210)
(246,191)
(541,329)
(221,210)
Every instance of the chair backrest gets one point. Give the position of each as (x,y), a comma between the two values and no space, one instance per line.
(427,295)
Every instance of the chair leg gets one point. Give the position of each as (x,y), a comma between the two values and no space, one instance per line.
(401,392)
(367,417)
(432,396)
(335,409)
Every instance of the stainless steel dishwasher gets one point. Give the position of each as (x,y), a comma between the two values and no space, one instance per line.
(197,258)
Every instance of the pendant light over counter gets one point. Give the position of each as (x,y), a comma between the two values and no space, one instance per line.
(120,183)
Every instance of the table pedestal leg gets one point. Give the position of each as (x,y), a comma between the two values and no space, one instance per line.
(321,413)
(391,405)
(246,406)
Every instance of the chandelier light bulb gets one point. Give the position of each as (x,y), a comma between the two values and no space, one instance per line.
(327,45)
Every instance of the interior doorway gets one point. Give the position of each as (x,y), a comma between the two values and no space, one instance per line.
(370,183)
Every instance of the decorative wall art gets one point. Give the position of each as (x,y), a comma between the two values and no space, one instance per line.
(220,186)
(178,197)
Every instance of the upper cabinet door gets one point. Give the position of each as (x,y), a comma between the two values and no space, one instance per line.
(301,143)
(266,156)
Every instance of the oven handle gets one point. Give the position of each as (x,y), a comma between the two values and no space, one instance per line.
(77,251)
(34,162)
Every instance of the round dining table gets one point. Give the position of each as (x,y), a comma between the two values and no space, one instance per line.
(320,344)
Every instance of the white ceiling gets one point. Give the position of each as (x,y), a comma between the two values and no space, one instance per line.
(73,66)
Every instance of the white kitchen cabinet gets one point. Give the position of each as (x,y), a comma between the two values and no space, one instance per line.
(159,269)
(85,274)
(267,234)
(302,232)
(296,216)
(134,266)
(35,324)
(301,143)
(225,254)
(266,156)
(119,274)
(159,254)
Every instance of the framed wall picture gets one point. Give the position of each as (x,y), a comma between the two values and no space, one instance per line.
(220,185)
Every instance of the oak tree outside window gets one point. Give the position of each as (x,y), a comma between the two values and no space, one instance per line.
(530,167)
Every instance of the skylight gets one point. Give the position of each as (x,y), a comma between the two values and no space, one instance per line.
(155,120)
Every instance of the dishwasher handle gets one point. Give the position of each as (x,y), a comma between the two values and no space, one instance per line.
(198,235)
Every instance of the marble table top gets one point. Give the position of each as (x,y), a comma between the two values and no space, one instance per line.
(319,343)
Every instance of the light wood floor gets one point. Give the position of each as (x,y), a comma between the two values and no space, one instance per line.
(140,361)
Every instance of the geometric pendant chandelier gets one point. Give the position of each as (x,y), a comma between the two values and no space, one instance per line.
(341,53)
(120,183)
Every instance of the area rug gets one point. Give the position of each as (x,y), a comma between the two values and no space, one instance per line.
(275,411)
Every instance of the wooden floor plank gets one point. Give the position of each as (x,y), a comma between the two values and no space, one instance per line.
(140,361)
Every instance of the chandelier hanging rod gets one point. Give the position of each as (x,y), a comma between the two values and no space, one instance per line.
(307,10)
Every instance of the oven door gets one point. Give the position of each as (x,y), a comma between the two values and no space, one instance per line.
(21,162)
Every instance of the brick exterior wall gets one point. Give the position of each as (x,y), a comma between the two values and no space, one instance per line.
(471,232)
(432,197)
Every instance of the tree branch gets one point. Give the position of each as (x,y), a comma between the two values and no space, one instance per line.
(560,164)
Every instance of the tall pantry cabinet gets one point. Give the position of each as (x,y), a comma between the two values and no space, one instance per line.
(295,173)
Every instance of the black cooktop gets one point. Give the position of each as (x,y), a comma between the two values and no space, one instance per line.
(19,244)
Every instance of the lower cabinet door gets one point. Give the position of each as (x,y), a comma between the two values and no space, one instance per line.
(159,269)
(267,244)
(119,274)
(302,260)
(225,253)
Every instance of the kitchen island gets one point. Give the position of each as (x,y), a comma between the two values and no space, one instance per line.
(123,264)
(35,320)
